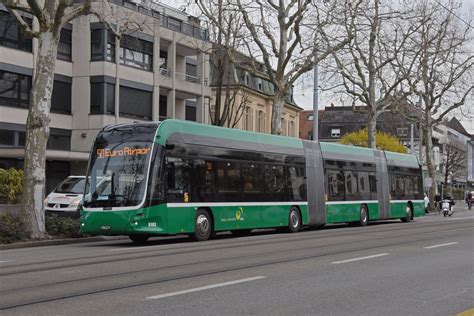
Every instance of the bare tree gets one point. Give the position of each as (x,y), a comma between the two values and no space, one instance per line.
(367,66)
(51,17)
(230,99)
(283,35)
(443,76)
(455,161)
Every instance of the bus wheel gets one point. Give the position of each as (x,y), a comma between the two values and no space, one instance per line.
(364,216)
(139,239)
(294,220)
(202,226)
(408,215)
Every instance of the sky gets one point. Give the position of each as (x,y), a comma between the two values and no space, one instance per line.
(303,93)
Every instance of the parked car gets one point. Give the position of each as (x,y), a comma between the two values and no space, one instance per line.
(65,198)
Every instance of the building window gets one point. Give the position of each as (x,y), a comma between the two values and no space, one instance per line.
(11,35)
(248,119)
(261,122)
(335,132)
(135,103)
(14,89)
(259,84)
(12,138)
(61,98)
(163,59)
(283,127)
(190,113)
(291,128)
(65,45)
(174,24)
(136,53)
(163,107)
(310,117)
(100,48)
(102,98)
(403,131)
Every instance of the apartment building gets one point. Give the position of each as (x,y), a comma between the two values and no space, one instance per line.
(252,94)
(154,71)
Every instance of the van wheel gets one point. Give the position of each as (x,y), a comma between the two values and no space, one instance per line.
(364,216)
(202,226)
(408,215)
(294,220)
(139,239)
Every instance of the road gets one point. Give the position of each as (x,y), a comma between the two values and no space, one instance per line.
(424,267)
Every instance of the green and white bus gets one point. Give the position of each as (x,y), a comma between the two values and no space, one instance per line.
(180,177)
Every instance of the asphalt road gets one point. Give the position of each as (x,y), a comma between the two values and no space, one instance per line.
(424,267)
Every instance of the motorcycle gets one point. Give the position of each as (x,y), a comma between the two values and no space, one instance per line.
(446,208)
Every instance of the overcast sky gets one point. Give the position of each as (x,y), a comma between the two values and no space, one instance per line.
(303,93)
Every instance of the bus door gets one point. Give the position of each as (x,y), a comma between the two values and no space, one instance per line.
(383,189)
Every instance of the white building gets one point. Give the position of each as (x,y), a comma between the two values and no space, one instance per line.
(154,72)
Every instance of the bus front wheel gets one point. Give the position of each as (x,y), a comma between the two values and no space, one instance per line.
(364,216)
(294,220)
(202,226)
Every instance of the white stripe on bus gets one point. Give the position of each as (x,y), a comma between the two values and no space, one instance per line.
(204,204)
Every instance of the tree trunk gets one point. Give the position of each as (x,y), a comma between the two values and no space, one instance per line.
(372,131)
(37,133)
(428,155)
(278,104)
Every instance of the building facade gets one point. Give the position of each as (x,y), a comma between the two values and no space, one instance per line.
(306,123)
(153,72)
(252,99)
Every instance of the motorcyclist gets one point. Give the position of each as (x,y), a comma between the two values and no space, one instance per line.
(451,201)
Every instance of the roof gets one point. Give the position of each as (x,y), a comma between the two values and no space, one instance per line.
(457,126)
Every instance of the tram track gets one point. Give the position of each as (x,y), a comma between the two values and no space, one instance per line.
(233,242)
(264,259)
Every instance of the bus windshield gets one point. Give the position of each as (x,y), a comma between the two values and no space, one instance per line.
(118,174)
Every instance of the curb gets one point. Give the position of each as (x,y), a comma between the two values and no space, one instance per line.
(51,242)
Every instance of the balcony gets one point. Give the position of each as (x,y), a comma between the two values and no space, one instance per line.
(165,20)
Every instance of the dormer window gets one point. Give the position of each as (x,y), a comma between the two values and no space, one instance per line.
(310,117)
(335,132)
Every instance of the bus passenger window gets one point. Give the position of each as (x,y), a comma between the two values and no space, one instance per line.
(275,183)
(178,179)
(297,183)
(336,185)
(228,181)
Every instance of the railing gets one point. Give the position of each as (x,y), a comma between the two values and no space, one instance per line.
(164,72)
(186,77)
(166,21)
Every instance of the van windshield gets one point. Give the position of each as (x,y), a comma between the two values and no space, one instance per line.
(71,186)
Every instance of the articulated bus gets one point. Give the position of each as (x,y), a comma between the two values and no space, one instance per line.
(180,177)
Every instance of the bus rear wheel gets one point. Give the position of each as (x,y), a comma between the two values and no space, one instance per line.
(202,226)
(294,220)
(139,239)
(408,215)
(364,216)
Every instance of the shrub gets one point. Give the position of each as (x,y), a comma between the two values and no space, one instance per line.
(61,226)
(11,185)
(11,229)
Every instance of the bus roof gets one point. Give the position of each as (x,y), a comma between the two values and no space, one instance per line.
(170,126)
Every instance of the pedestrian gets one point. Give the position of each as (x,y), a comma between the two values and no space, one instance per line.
(469,200)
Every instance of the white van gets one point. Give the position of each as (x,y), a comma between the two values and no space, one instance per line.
(66,196)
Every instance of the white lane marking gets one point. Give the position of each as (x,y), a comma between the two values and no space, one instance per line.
(5,261)
(361,258)
(136,248)
(441,245)
(204,288)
